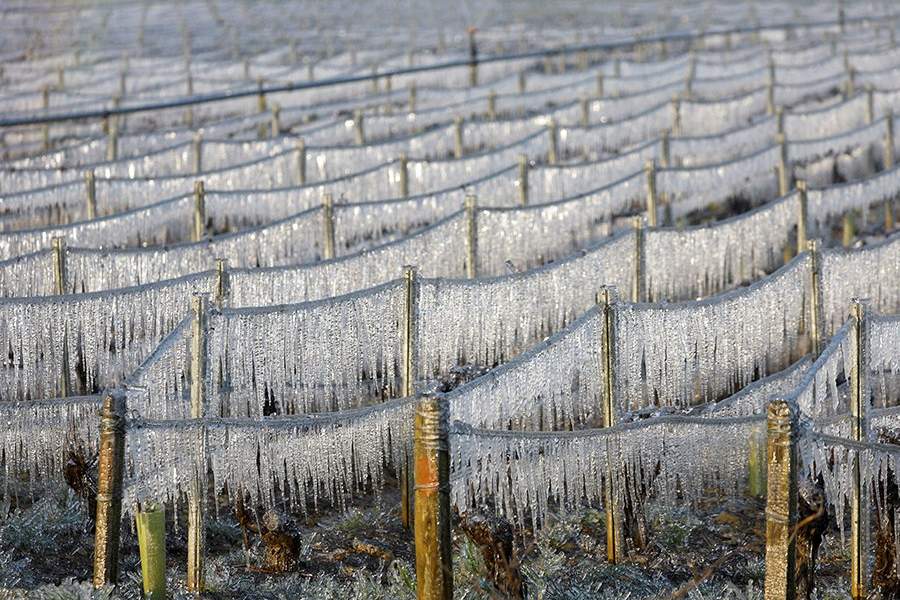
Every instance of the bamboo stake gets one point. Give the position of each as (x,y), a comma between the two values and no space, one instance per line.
(458,147)
(197,153)
(637,282)
(802,204)
(301,161)
(328,226)
(410,295)
(221,287)
(151,533)
(431,456)
(781,502)
(90,192)
(650,170)
(110,473)
(199,228)
(358,127)
(492,105)
(196,534)
(553,152)
(858,432)
(404,176)
(783,165)
(615,546)
(412,97)
(471,236)
(815,303)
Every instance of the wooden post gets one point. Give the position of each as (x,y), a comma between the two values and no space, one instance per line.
(650,170)
(199,228)
(522,181)
(412,97)
(850,85)
(276,120)
(784,177)
(90,192)
(553,152)
(473,59)
(781,502)
(522,82)
(492,105)
(45,128)
(689,80)
(189,110)
(328,226)
(585,111)
(615,546)
(112,140)
(388,91)
(676,115)
(358,127)
(301,161)
(471,236)
(260,96)
(770,88)
(151,533)
(779,120)
(666,160)
(815,303)
(403,163)
(599,85)
(637,282)
(802,204)
(110,474)
(848,229)
(458,145)
(122,80)
(221,288)
(858,432)
(196,534)
(60,280)
(431,457)
(197,153)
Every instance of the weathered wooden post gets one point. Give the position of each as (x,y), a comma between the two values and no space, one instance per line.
(802,204)
(650,170)
(261,104)
(458,145)
(301,161)
(412,97)
(492,105)
(90,192)
(221,285)
(665,149)
(150,523)
(276,120)
(328,226)
(870,104)
(638,278)
(689,80)
(196,532)
(615,542)
(585,105)
(770,88)
(199,225)
(45,128)
(815,302)
(60,283)
(779,120)
(522,180)
(189,110)
(197,153)
(859,399)
(388,92)
(784,176)
(600,85)
(471,236)
(112,139)
(522,82)
(553,149)
(431,457)
(676,115)
(473,58)
(781,501)
(110,474)
(403,164)
(410,298)
(358,127)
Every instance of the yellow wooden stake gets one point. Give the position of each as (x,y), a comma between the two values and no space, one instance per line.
(110,474)
(781,502)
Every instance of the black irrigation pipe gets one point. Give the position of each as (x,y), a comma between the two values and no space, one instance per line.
(343,80)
